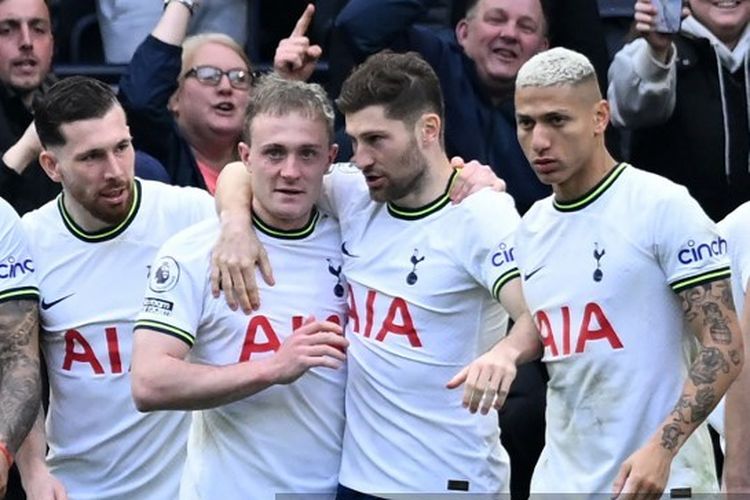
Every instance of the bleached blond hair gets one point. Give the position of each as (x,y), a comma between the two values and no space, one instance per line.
(558,66)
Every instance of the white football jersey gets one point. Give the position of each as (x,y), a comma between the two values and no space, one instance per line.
(601,276)
(422,304)
(91,284)
(17,270)
(734,227)
(286,438)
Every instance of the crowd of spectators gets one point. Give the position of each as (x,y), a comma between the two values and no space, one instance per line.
(680,102)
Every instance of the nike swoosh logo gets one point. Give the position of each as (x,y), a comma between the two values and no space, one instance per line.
(47,305)
(346,252)
(527,277)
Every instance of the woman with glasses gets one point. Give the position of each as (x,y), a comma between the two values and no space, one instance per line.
(186,98)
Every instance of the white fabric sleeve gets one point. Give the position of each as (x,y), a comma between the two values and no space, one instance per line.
(17,278)
(489,239)
(734,228)
(642,90)
(177,285)
(688,245)
(195,204)
(343,185)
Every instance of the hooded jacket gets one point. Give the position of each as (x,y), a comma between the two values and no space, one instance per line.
(690,117)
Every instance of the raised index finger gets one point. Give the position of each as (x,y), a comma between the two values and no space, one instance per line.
(304,21)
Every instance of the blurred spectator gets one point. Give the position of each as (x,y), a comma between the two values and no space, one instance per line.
(686,98)
(186,102)
(477,67)
(477,72)
(124,24)
(617,17)
(25,57)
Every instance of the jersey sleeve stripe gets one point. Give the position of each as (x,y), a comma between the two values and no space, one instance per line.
(700,279)
(502,280)
(27,292)
(167,329)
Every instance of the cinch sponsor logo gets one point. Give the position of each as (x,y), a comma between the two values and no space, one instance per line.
(503,256)
(11,268)
(696,253)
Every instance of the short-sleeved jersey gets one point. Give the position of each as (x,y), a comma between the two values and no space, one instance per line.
(734,227)
(422,304)
(91,285)
(17,270)
(601,276)
(286,438)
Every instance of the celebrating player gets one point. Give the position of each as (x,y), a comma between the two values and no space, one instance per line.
(616,264)
(93,246)
(270,386)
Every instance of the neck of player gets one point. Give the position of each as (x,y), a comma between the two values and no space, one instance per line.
(586,178)
(433,183)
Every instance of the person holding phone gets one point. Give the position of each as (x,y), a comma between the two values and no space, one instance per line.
(685,95)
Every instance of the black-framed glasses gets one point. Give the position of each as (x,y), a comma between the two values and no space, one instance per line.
(211,75)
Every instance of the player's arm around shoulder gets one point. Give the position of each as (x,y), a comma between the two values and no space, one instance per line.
(709,313)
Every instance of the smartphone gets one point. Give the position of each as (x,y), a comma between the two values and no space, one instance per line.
(668,15)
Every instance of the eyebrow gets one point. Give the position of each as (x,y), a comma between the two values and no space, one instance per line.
(17,21)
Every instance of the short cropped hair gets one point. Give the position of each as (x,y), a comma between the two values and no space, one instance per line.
(276,96)
(404,84)
(558,66)
(69,100)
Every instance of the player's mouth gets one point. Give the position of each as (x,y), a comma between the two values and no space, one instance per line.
(290,191)
(375,181)
(115,196)
(545,165)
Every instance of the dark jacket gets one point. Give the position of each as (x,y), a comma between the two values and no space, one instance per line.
(34,188)
(145,89)
(475,129)
(690,147)
(704,142)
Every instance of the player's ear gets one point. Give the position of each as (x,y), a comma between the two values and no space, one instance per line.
(428,128)
(601,116)
(244,151)
(333,151)
(50,164)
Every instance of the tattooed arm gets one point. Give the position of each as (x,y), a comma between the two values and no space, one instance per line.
(20,382)
(710,314)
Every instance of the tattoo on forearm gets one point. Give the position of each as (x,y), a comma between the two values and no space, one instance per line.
(716,323)
(680,408)
(710,301)
(20,383)
(735,357)
(687,411)
(706,368)
(670,436)
(705,399)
